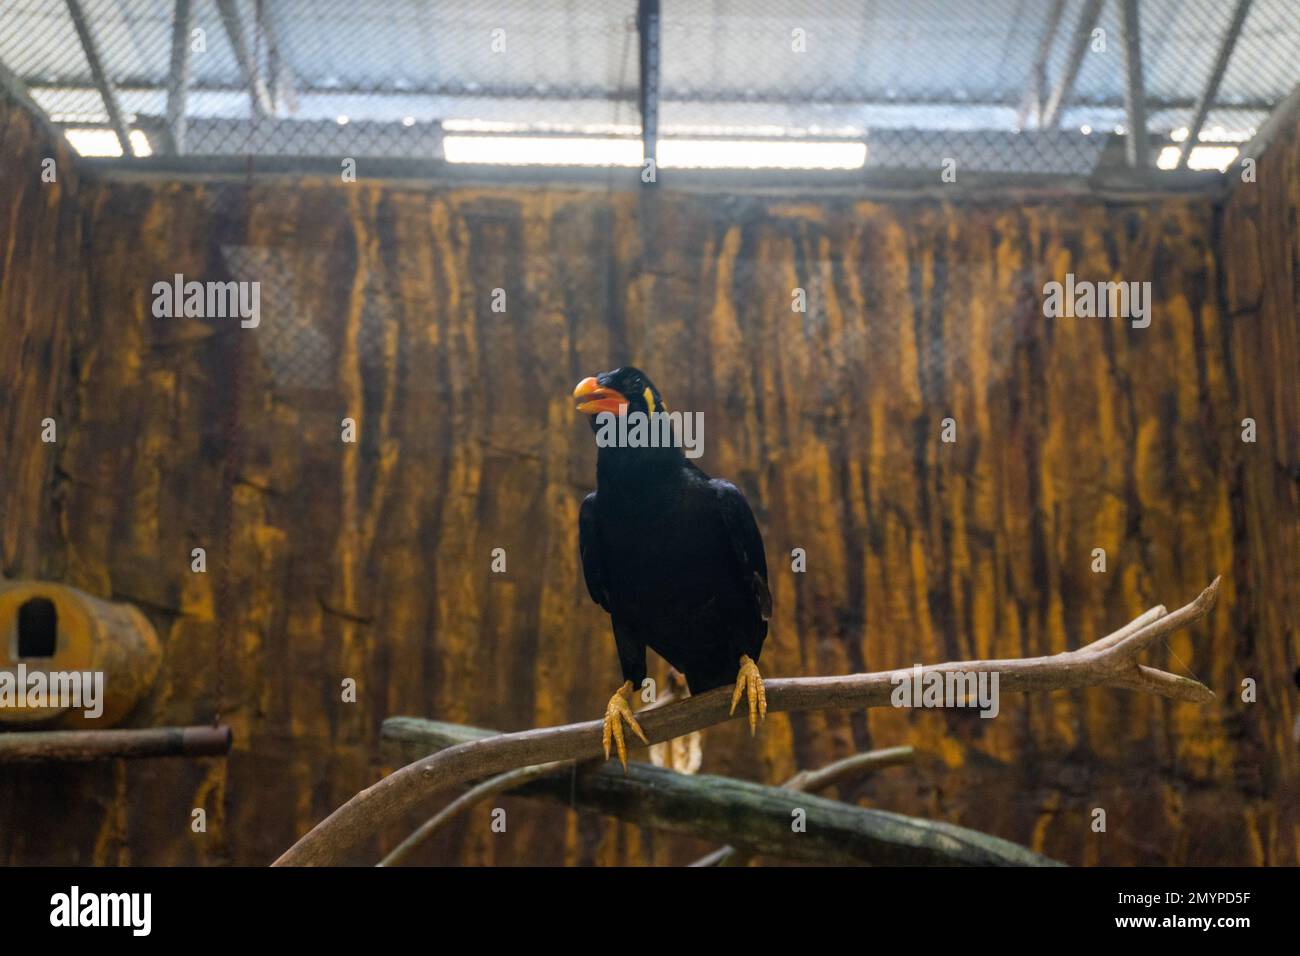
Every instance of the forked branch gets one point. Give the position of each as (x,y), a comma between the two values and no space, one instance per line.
(751,816)
(1108,662)
(815,781)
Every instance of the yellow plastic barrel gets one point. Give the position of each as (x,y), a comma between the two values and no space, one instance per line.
(53,628)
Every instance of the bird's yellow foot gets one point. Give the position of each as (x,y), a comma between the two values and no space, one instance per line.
(750,683)
(618,710)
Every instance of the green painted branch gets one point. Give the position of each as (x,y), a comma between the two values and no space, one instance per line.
(342,835)
(748,815)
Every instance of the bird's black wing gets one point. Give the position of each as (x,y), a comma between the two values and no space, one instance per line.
(593,563)
(746,542)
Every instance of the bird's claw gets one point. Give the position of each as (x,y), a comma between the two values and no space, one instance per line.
(616,711)
(750,683)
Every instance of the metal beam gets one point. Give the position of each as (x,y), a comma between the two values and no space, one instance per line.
(258,95)
(1032,101)
(1135,144)
(885,184)
(600,93)
(1051,115)
(179,81)
(647,26)
(109,95)
(284,93)
(1220,67)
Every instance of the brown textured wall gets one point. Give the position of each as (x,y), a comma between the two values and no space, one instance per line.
(372,561)
(1259,241)
(41,289)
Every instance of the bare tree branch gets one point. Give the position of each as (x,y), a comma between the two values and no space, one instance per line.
(490,787)
(815,781)
(344,832)
(850,768)
(751,816)
(43,746)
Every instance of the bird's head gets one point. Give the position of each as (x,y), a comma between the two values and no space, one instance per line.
(612,391)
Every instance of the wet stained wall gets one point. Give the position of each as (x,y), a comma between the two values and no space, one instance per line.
(372,560)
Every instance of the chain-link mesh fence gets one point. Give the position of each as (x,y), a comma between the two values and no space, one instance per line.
(996,85)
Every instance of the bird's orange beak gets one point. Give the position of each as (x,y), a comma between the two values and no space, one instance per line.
(592,399)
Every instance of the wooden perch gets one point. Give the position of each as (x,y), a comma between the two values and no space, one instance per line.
(42,746)
(850,768)
(815,781)
(502,782)
(749,815)
(1108,662)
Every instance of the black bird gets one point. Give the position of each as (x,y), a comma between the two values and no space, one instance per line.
(674,556)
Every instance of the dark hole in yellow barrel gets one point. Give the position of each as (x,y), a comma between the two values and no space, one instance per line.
(38,628)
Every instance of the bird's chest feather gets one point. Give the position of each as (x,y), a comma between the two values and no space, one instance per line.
(664,552)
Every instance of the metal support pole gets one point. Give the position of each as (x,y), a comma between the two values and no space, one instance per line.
(179,82)
(647,25)
(100,76)
(1211,90)
(1135,145)
(257,91)
(1051,115)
